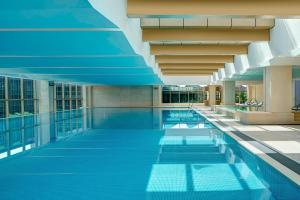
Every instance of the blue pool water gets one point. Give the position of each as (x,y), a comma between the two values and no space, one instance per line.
(129,154)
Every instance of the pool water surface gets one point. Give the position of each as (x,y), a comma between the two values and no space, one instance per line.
(140,153)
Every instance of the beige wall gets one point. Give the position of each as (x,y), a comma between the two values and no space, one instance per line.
(129,96)
(256,92)
(278,88)
(212,95)
(277,98)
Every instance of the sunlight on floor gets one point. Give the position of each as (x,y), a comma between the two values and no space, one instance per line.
(285,146)
(275,128)
(250,147)
(228,120)
(248,128)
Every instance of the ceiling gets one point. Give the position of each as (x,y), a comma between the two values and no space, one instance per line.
(197,38)
(67,41)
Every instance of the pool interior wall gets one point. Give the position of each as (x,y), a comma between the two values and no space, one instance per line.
(138,153)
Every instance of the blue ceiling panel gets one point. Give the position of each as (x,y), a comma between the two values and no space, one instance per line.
(67,40)
(102,79)
(81,71)
(51,14)
(74,62)
(57,43)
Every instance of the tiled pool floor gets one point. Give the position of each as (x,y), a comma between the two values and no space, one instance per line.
(285,139)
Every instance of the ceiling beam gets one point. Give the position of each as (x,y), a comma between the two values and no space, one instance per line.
(192,66)
(188,72)
(195,59)
(188,8)
(206,35)
(199,49)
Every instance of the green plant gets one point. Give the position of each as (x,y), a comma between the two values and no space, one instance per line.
(243,97)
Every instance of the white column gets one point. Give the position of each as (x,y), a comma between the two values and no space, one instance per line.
(42,92)
(229,92)
(278,89)
(156,95)
(84,96)
(89,96)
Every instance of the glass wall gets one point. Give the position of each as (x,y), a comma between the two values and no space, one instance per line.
(67,97)
(68,115)
(241,94)
(21,133)
(2,98)
(28,96)
(297,92)
(17,97)
(14,96)
(182,94)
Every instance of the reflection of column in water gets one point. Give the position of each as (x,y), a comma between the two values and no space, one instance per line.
(215,139)
(222,148)
(230,156)
(84,120)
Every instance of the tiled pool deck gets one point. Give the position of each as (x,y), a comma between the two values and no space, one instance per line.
(279,145)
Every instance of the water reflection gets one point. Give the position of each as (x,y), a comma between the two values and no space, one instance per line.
(207,164)
(21,133)
(183,119)
(138,152)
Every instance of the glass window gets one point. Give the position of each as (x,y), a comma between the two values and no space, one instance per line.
(73,91)
(59,106)
(79,92)
(2,109)
(14,91)
(166,97)
(72,96)
(194,97)
(29,106)
(2,87)
(67,104)
(66,92)
(297,92)
(175,97)
(14,107)
(58,91)
(13,100)
(201,96)
(74,104)
(184,97)
(183,94)
(79,102)
(28,89)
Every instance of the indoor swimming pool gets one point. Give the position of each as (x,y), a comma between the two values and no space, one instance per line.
(130,153)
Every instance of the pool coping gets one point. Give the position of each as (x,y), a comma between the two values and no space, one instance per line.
(283,169)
